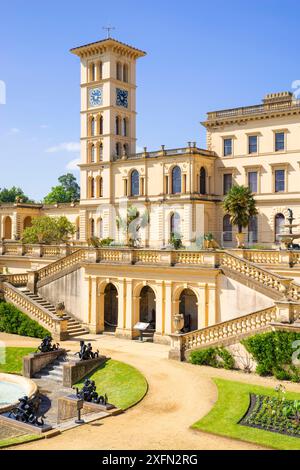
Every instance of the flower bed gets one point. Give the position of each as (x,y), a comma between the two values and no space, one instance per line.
(275,414)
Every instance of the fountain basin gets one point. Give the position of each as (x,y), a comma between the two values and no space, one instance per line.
(13,387)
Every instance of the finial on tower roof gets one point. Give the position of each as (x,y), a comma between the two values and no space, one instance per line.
(108,29)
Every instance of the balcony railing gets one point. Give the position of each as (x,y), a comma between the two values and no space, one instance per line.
(256,109)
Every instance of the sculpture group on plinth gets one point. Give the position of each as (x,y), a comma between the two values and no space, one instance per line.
(28,411)
(86,352)
(89,393)
(47,346)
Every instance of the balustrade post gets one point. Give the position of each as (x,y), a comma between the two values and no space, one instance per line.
(287,311)
(176,351)
(285,257)
(32,281)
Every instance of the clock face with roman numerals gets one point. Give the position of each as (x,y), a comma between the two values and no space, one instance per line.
(122,98)
(95,96)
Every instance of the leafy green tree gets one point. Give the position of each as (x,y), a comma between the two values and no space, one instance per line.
(49,230)
(67,191)
(240,205)
(12,195)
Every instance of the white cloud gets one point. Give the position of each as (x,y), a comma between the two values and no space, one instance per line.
(14,130)
(44,126)
(72,165)
(64,147)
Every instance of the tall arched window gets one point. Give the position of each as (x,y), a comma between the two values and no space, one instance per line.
(118,149)
(125,127)
(125,150)
(175,225)
(93,126)
(279,223)
(125,73)
(227,229)
(101,152)
(253,229)
(119,71)
(100,228)
(100,70)
(202,181)
(92,228)
(135,183)
(93,153)
(176,180)
(100,187)
(101,125)
(92,187)
(117,125)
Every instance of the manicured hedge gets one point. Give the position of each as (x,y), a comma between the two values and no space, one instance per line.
(214,357)
(273,353)
(15,322)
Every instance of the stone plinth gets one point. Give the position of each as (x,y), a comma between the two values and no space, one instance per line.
(74,371)
(29,428)
(67,408)
(34,362)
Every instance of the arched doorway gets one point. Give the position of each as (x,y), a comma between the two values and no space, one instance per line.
(279,225)
(8,228)
(110,307)
(27,222)
(189,308)
(147,306)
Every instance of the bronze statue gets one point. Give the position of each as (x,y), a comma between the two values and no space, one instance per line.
(86,352)
(47,346)
(89,393)
(28,411)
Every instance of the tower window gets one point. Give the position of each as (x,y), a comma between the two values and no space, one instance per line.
(100,187)
(101,125)
(100,152)
(93,126)
(135,183)
(125,73)
(202,181)
(119,71)
(125,127)
(176,180)
(117,125)
(118,149)
(93,154)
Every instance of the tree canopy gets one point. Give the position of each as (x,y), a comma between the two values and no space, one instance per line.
(240,205)
(67,190)
(49,230)
(12,195)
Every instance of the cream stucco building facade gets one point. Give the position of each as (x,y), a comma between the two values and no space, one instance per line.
(181,191)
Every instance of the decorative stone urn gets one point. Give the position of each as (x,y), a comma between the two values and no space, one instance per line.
(178,322)
(60,309)
(240,238)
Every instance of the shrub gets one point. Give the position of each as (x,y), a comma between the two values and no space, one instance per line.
(273,353)
(15,322)
(214,357)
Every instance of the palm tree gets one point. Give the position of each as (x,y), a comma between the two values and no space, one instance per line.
(240,205)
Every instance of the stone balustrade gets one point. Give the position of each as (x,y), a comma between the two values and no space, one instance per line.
(57,326)
(224,333)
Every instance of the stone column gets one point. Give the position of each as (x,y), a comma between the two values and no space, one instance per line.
(169,308)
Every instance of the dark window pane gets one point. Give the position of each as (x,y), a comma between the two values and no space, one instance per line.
(252,144)
(176,180)
(227,229)
(227,182)
(279,141)
(279,181)
(252,229)
(227,147)
(202,181)
(135,183)
(252,181)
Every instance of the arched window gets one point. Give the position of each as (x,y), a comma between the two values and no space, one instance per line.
(125,73)
(101,125)
(125,127)
(7,228)
(119,71)
(92,187)
(92,228)
(252,229)
(100,70)
(93,126)
(135,183)
(100,187)
(202,181)
(227,229)
(125,150)
(93,153)
(101,152)
(279,223)
(117,125)
(176,180)
(118,149)
(175,225)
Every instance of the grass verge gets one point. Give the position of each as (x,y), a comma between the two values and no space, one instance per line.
(124,385)
(13,359)
(233,402)
(19,440)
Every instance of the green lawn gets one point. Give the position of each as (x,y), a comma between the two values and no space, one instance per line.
(233,402)
(124,385)
(13,360)
(19,440)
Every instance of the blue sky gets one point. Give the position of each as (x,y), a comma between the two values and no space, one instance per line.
(201,56)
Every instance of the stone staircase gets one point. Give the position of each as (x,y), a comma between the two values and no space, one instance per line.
(74,327)
(54,371)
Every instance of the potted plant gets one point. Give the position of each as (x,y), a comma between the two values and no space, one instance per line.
(240,205)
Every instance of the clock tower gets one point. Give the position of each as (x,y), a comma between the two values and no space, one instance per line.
(108,113)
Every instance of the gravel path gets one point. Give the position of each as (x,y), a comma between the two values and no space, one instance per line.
(179,394)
